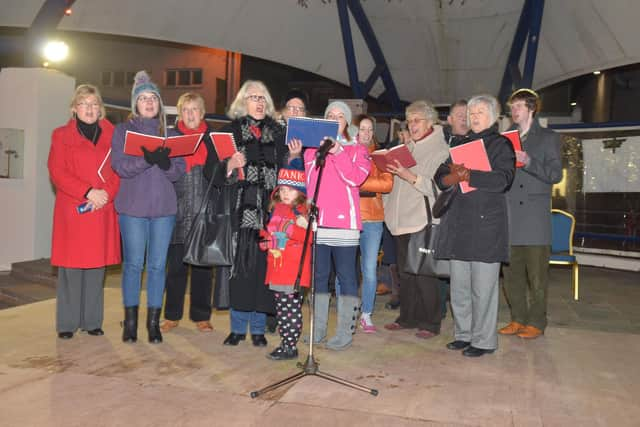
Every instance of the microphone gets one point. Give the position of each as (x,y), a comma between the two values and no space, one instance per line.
(322,152)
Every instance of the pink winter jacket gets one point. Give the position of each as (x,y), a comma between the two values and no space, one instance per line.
(339,196)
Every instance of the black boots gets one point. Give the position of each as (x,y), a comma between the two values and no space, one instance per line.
(130,324)
(153,325)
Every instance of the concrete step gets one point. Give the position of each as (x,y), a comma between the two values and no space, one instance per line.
(36,271)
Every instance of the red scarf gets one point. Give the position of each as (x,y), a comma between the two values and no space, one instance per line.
(186,131)
(200,156)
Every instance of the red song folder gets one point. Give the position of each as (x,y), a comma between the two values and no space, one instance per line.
(225,147)
(514,137)
(180,145)
(472,155)
(401,153)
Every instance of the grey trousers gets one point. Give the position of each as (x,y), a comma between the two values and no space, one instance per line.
(79,299)
(474,300)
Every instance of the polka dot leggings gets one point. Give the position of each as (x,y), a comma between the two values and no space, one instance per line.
(289,315)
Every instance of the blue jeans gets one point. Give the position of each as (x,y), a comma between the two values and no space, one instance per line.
(344,259)
(139,235)
(370,239)
(257,322)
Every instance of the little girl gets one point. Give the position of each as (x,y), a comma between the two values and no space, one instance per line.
(284,239)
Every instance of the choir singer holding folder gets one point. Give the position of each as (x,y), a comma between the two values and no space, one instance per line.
(474,232)
(147,208)
(84,241)
(405,213)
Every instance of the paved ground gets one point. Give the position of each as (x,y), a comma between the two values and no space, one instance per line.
(581,373)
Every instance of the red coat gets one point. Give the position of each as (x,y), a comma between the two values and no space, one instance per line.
(92,239)
(283,269)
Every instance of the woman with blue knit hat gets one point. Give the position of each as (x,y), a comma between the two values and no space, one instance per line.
(146,205)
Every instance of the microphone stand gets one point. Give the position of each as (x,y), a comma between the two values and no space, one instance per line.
(310,365)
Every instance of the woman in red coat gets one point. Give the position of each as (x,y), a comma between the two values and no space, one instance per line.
(85,228)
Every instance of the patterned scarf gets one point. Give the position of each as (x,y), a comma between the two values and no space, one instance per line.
(258,143)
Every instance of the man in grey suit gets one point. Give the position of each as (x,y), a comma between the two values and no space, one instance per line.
(529,202)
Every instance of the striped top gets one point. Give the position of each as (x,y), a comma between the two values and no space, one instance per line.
(338,237)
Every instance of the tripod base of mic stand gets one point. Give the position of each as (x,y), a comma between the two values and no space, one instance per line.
(310,367)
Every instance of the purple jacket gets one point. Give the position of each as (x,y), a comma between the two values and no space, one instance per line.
(145,191)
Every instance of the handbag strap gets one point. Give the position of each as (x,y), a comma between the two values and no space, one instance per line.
(207,195)
(428,205)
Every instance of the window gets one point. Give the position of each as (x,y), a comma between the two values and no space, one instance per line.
(221,95)
(118,78)
(183,77)
(105,78)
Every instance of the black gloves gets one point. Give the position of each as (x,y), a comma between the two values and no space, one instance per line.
(159,157)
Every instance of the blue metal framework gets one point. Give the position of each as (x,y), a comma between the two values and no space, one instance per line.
(528,30)
(381,70)
(45,22)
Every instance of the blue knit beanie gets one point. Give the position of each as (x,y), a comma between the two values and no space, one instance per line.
(142,83)
(293,176)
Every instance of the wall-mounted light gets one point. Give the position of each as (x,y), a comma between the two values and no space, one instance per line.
(596,73)
(68,11)
(56,51)
(573,104)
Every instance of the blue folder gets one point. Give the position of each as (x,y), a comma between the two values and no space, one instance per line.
(310,131)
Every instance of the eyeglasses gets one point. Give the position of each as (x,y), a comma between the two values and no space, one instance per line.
(257,98)
(151,98)
(415,121)
(296,109)
(88,105)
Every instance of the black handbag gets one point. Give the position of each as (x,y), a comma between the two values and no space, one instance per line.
(421,254)
(210,239)
(444,200)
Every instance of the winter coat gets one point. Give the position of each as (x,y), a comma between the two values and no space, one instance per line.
(529,198)
(146,191)
(91,239)
(283,264)
(404,208)
(338,197)
(378,182)
(262,142)
(190,189)
(476,226)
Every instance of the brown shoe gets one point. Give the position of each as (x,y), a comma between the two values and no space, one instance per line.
(512,328)
(530,332)
(168,325)
(394,326)
(382,289)
(204,326)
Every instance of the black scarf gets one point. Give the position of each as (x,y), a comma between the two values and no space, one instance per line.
(90,132)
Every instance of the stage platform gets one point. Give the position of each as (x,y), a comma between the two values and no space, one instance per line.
(582,372)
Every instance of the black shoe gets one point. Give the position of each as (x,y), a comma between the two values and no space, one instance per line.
(259,340)
(65,335)
(283,354)
(234,339)
(472,351)
(130,324)
(153,325)
(458,345)
(96,332)
(392,305)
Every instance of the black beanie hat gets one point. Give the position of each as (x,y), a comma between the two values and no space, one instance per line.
(297,93)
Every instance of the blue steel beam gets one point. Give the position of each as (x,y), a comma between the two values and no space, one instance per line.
(381,69)
(45,22)
(528,30)
(536,11)
(349,51)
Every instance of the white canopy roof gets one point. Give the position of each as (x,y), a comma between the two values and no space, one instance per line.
(437,49)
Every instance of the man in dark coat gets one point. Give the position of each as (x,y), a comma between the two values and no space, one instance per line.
(529,201)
